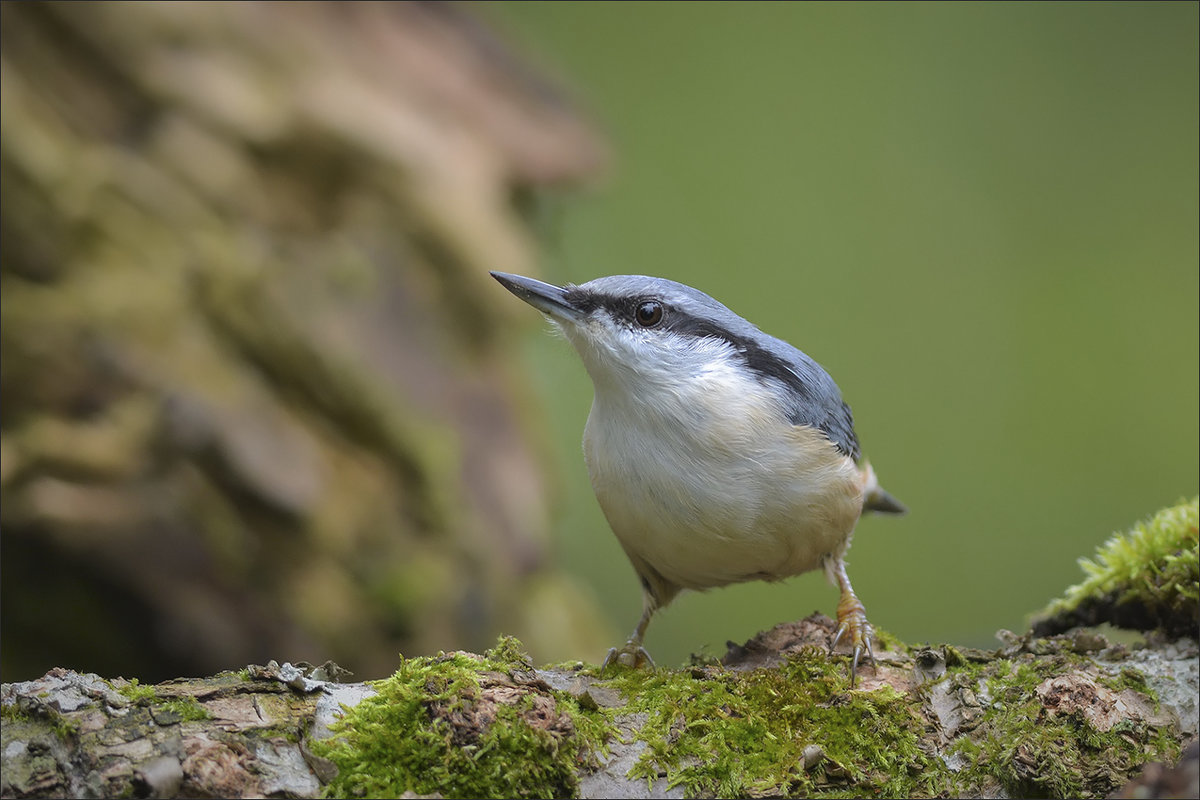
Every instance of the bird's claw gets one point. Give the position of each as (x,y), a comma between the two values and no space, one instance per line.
(632,655)
(853,625)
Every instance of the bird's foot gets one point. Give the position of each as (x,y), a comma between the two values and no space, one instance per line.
(632,654)
(855,630)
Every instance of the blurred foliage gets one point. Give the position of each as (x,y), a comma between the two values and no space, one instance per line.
(256,403)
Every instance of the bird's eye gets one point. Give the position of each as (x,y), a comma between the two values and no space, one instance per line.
(648,314)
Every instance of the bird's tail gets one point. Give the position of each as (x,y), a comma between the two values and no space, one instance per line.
(874,496)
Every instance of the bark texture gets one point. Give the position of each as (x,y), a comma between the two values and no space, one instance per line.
(257,399)
(251,734)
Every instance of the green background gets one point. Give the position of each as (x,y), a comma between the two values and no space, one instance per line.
(980,218)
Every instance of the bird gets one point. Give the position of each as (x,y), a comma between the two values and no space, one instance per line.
(718,453)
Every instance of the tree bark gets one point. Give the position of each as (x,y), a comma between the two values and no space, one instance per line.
(258,398)
(251,734)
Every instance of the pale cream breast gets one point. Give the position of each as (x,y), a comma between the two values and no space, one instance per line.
(696,488)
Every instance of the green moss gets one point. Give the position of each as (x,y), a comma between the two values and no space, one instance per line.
(711,731)
(508,654)
(42,717)
(1031,753)
(186,708)
(138,693)
(730,734)
(463,727)
(1149,576)
(798,729)
(65,729)
(10,712)
(1129,679)
(288,734)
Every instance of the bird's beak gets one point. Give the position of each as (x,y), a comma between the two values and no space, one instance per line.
(545,297)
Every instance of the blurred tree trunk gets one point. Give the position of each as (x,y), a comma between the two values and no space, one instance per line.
(257,398)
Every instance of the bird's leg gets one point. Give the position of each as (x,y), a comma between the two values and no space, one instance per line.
(632,654)
(851,619)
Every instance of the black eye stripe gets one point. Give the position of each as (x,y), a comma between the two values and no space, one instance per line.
(803,378)
(645,312)
(624,308)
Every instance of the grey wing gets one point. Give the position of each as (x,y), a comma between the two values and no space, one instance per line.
(813,398)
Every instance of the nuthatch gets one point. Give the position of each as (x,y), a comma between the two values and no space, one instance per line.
(719,454)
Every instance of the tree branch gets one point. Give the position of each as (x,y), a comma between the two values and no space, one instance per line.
(1071,715)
